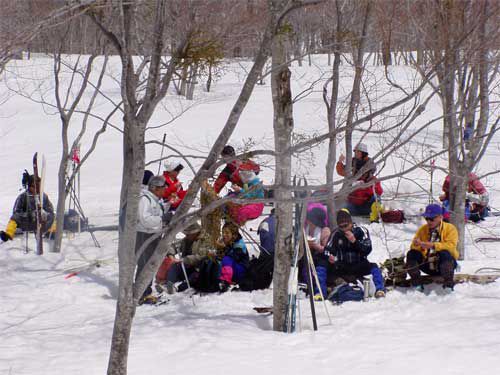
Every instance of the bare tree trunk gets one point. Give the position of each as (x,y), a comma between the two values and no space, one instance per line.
(283,127)
(192,82)
(332,115)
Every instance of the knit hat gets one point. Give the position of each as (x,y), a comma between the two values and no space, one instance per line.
(361,147)
(228,151)
(147,176)
(316,216)
(344,216)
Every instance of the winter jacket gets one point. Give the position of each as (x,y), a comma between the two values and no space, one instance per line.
(230,173)
(267,233)
(347,252)
(173,189)
(238,251)
(150,213)
(363,195)
(448,239)
(252,189)
(356,166)
(24,211)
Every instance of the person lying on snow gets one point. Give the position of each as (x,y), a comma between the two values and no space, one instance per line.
(24,212)
(317,237)
(476,199)
(348,248)
(174,193)
(151,216)
(235,261)
(433,249)
(251,189)
(230,173)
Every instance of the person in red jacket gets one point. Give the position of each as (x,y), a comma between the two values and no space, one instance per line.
(477,199)
(364,201)
(230,173)
(174,193)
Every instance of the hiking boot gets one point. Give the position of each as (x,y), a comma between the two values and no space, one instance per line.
(170,287)
(182,286)
(380,293)
(223,286)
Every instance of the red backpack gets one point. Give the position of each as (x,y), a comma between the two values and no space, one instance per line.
(393,216)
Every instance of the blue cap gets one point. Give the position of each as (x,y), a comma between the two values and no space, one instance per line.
(432,210)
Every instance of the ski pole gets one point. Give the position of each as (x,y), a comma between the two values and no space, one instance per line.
(187,279)
(161,154)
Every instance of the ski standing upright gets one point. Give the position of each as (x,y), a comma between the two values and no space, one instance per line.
(38,204)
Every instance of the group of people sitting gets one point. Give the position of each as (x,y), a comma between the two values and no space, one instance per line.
(341,254)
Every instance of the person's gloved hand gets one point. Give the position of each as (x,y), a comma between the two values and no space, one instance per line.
(4,236)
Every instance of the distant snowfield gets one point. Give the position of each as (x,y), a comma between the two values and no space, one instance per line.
(52,325)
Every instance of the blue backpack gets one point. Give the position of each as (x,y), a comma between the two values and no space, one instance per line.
(346,292)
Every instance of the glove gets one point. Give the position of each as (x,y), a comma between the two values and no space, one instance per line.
(167,216)
(4,236)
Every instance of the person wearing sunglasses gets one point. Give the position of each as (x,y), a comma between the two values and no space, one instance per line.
(348,248)
(433,249)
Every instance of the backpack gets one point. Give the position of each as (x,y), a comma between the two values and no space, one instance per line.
(259,274)
(393,216)
(207,280)
(346,292)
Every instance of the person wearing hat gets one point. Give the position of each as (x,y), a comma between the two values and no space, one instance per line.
(231,172)
(433,249)
(174,193)
(348,248)
(317,236)
(359,159)
(151,216)
(24,212)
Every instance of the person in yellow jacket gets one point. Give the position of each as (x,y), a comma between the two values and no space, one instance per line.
(433,249)
(24,212)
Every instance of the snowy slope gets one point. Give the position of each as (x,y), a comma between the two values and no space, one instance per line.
(53,325)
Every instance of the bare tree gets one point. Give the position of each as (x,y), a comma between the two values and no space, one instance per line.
(462,46)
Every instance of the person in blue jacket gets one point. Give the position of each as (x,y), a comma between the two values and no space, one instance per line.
(348,248)
(235,261)
(267,232)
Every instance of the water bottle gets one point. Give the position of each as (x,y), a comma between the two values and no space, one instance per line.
(366,289)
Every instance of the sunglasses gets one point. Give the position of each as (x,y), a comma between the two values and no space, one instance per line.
(430,218)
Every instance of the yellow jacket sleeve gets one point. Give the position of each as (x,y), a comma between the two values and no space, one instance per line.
(449,239)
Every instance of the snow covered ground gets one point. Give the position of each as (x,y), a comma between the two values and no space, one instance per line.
(54,325)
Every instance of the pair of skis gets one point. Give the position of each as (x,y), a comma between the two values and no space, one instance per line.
(39,201)
(300,215)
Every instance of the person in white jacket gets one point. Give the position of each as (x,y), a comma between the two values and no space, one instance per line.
(152,215)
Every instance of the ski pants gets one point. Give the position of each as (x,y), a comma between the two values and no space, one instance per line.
(357,271)
(141,237)
(360,210)
(446,264)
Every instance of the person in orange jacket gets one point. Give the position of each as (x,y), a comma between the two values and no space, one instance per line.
(174,193)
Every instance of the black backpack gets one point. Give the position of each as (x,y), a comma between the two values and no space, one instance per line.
(259,274)
(208,276)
